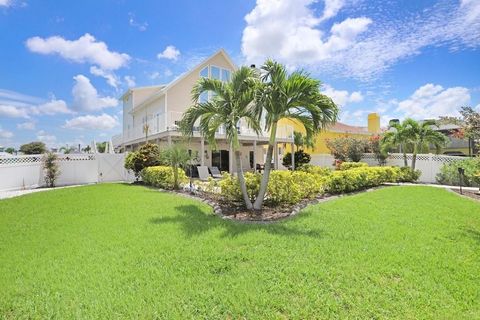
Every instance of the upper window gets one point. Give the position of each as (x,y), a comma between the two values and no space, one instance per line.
(226,75)
(215,72)
(204,72)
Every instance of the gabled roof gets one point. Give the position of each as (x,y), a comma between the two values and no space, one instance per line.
(165,88)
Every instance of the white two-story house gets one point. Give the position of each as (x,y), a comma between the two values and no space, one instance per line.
(160,108)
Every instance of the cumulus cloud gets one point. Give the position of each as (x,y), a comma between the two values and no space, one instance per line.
(91,122)
(10,111)
(342,97)
(111,78)
(51,107)
(170,53)
(431,101)
(86,97)
(130,80)
(29,125)
(48,139)
(85,49)
(5,3)
(5,134)
(361,47)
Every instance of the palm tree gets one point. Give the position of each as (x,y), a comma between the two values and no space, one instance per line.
(232,103)
(422,136)
(398,135)
(300,140)
(178,157)
(293,96)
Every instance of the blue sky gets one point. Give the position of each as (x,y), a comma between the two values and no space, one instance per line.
(63,64)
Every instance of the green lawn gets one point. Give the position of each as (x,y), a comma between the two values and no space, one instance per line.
(119,251)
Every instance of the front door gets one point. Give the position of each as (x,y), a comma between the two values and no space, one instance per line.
(221,159)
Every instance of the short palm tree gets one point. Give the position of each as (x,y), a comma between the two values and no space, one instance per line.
(232,103)
(177,157)
(302,141)
(423,136)
(397,136)
(293,96)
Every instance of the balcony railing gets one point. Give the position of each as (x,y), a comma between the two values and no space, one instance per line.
(159,124)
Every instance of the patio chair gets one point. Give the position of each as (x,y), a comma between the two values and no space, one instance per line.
(203,173)
(215,172)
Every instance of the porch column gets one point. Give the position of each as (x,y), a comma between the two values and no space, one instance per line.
(293,156)
(230,159)
(254,156)
(202,152)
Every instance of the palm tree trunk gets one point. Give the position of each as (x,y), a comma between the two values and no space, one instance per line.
(241,180)
(405,163)
(414,157)
(266,173)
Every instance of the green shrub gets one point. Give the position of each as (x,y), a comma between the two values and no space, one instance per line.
(230,188)
(283,189)
(449,172)
(301,158)
(317,170)
(51,168)
(162,177)
(351,165)
(408,175)
(360,178)
(147,156)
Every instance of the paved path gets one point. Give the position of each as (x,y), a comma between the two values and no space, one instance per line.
(17,193)
(432,185)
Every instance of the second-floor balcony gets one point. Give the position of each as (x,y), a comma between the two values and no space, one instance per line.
(162,123)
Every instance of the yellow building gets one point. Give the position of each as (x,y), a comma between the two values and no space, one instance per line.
(336,131)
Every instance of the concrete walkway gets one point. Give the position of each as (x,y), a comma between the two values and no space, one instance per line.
(475,189)
(17,193)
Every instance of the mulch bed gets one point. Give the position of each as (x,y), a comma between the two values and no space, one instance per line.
(470,194)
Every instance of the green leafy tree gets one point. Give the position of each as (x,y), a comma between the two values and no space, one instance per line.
(294,96)
(101,146)
(35,147)
(67,149)
(10,150)
(231,104)
(177,157)
(147,156)
(471,125)
(87,149)
(347,148)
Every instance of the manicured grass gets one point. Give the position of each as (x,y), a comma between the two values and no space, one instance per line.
(119,251)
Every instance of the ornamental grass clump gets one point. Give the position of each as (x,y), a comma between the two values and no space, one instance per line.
(51,169)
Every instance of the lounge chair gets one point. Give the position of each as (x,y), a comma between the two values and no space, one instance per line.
(215,172)
(203,173)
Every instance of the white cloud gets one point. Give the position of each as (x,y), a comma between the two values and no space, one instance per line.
(141,26)
(431,101)
(342,97)
(5,134)
(5,3)
(288,30)
(130,80)
(86,98)
(84,49)
(48,139)
(363,47)
(29,125)
(51,107)
(154,75)
(170,53)
(13,111)
(91,122)
(111,78)
(8,97)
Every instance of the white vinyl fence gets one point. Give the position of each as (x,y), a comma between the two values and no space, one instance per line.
(428,164)
(25,172)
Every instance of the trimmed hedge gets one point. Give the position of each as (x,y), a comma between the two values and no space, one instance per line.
(162,177)
(352,165)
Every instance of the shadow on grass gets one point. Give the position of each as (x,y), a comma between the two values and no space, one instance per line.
(194,221)
(472,233)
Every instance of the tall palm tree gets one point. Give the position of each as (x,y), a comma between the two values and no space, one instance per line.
(423,136)
(294,96)
(232,103)
(398,135)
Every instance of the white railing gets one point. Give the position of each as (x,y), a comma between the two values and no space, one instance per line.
(159,124)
